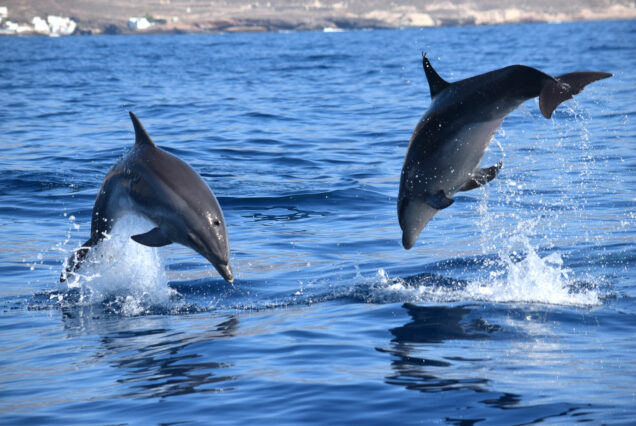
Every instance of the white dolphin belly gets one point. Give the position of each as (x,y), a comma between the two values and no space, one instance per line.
(459,156)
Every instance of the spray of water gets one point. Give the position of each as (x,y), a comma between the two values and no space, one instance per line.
(122,273)
(520,274)
(513,278)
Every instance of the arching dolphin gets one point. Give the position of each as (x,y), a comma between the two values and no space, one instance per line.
(451,138)
(170,194)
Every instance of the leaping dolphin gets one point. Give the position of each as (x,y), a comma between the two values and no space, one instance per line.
(165,190)
(450,140)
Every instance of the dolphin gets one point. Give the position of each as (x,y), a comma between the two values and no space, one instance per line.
(450,140)
(165,190)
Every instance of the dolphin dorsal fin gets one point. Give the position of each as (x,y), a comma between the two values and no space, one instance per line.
(435,82)
(141,136)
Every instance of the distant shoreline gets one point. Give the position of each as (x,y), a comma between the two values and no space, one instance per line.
(194,29)
(94,17)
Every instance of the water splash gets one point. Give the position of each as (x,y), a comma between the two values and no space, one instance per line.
(516,278)
(516,274)
(128,277)
(528,277)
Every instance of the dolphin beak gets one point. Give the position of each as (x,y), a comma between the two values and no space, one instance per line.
(226,272)
(413,218)
(408,239)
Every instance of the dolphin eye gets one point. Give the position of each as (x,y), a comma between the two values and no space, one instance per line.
(216,222)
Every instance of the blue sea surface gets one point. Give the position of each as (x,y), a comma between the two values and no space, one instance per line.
(517,304)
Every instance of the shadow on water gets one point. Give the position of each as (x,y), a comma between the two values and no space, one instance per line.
(424,361)
(432,325)
(157,361)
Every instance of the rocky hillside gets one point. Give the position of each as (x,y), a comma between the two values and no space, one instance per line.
(114,16)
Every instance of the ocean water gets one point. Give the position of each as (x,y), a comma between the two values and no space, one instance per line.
(516,305)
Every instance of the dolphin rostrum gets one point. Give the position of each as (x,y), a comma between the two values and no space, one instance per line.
(165,190)
(450,140)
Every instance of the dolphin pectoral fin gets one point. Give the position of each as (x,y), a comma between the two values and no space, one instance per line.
(563,87)
(481,177)
(153,238)
(439,200)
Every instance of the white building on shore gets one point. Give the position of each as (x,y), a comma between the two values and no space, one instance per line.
(61,25)
(52,26)
(139,23)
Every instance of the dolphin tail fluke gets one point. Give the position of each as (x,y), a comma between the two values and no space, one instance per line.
(75,260)
(563,87)
(481,177)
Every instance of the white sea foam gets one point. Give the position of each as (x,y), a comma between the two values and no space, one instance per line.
(122,271)
(518,275)
(531,280)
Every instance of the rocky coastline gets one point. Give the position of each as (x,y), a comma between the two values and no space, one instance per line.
(72,17)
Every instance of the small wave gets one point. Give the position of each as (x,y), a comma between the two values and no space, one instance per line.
(345,194)
(20,181)
(266,116)
(331,57)
(296,67)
